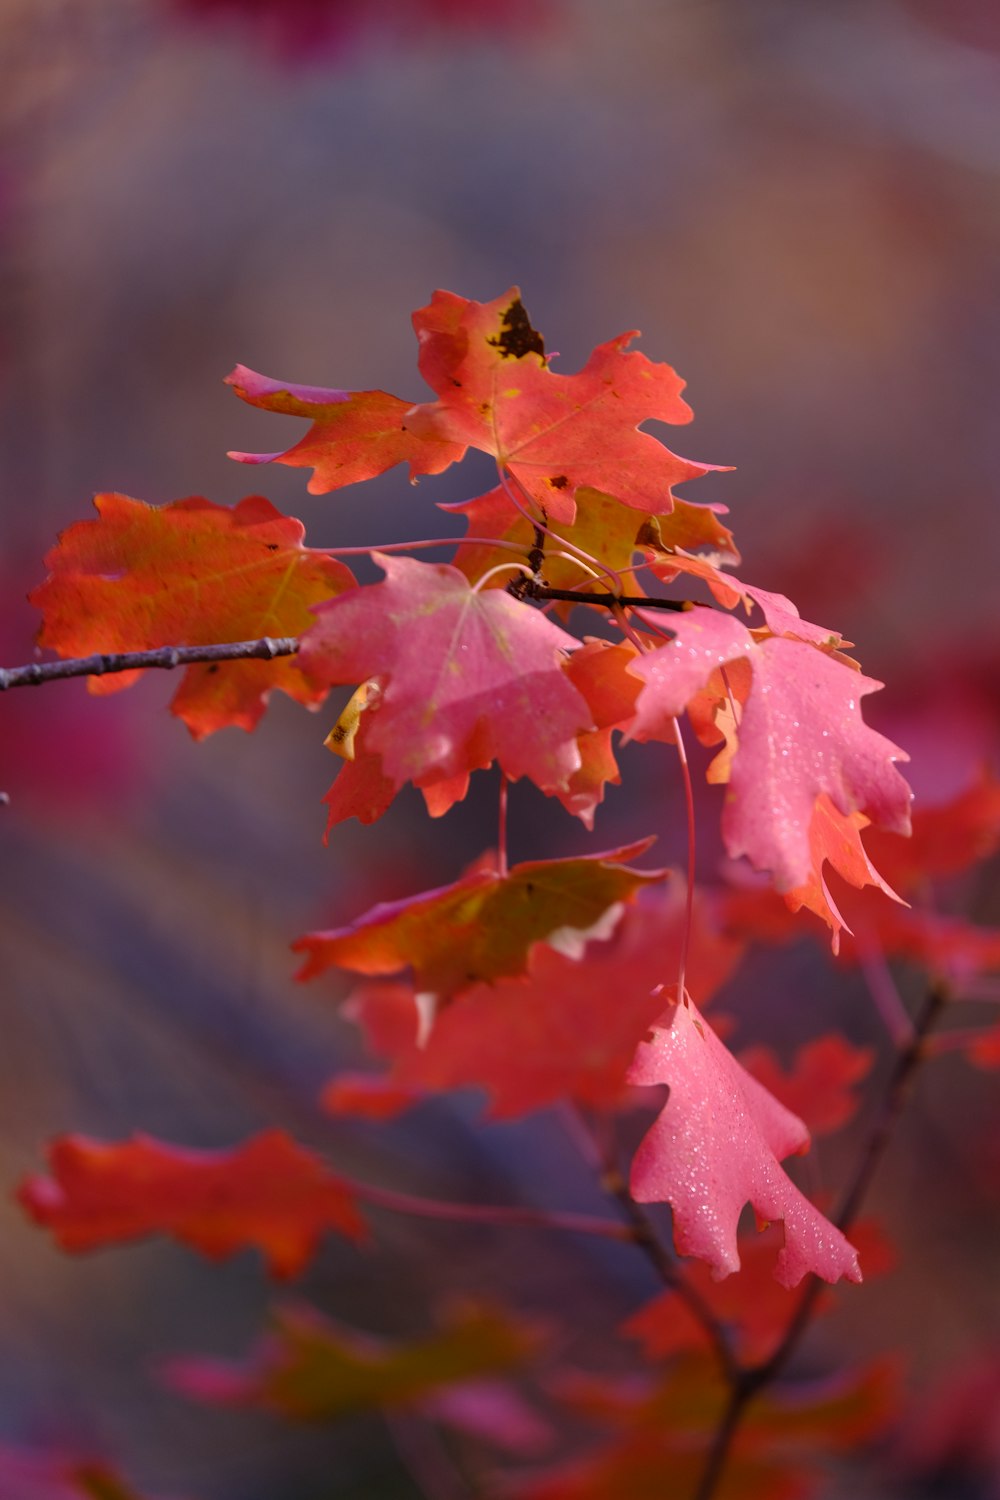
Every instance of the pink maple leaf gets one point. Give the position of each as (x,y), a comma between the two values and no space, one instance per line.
(466,676)
(800,734)
(716,1146)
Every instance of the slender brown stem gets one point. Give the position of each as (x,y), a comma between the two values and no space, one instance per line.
(722,1440)
(645,1236)
(164,657)
(600,1155)
(528,588)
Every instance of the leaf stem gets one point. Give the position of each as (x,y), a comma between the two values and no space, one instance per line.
(486,1213)
(691,848)
(508,481)
(502,826)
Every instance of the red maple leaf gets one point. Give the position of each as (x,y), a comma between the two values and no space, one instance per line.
(819,1084)
(354,435)
(482,927)
(567,1029)
(555,433)
(661,1429)
(270,1193)
(189,574)
(716,1146)
(464,677)
(598,670)
(800,735)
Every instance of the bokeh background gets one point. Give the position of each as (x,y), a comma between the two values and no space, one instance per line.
(799,204)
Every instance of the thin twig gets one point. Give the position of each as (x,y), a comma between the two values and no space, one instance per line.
(749,1380)
(599,1155)
(722,1440)
(645,1236)
(488,1213)
(164,657)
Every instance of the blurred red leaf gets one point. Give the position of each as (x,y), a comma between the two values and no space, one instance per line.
(567,1029)
(663,1428)
(753,1305)
(819,1085)
(269,1193)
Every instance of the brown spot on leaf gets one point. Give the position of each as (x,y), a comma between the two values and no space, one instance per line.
(559,482)
(518,337)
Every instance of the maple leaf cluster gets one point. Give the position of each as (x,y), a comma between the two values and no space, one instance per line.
(456,667)
(577,981)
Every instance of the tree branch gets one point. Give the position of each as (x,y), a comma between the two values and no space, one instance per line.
(599,1152)
(164,657)
(750,1379)
(530,588)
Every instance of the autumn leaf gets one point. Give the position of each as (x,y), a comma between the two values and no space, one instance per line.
(465,677)
(353,436)
(269,1193)
(948,836)
(482,926)
(800,736)
(598,670)
(567,1029)
(313,1369)
(835,841)
(819,1084)
(361,789)
(556,434)
(781,616)
(189,574)
(754,1307)
(716,1146)
(662,1429)
(608,533)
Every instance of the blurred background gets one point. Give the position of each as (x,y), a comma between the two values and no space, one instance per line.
(800,207)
